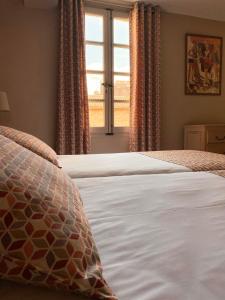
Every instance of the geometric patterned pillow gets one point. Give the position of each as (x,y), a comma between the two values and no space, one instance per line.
(30,142)
(45,237)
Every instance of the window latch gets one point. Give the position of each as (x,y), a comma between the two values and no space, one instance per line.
(107,85)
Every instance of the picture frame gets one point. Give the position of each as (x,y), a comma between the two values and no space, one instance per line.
(203,64)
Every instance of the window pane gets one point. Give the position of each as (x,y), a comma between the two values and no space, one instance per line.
(93,28)
(121,60)
(94,58)
(96,100)
(121,101)
(121,31)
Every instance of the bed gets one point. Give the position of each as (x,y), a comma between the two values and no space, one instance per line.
(117,164)
(160,233)
(159,236)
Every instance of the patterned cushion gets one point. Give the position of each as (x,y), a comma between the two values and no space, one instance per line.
(30,142)
(45,238)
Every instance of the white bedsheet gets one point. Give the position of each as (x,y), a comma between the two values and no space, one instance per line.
(160,237)
(116,164)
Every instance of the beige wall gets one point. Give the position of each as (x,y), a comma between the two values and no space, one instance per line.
(177,108)
(28,65)
(28,72)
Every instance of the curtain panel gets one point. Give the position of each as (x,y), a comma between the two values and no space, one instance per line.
(145,78)
(72,118)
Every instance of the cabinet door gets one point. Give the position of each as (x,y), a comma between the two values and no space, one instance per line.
(194,140)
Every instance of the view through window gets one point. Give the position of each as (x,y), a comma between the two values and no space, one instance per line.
(108,68)
(121,72)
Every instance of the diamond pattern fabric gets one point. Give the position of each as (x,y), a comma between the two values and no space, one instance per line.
(45,237)
(30,142)
(192,159)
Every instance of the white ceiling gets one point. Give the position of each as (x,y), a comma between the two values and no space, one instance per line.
(209,9)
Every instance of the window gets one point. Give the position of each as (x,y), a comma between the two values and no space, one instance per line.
(108,68)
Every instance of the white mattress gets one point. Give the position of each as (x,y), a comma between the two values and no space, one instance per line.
(160,237)
(101,165)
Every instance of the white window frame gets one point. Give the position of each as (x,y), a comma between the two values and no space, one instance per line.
(108,15)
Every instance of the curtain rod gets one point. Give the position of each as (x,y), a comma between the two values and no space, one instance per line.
(112,3)
(116,4)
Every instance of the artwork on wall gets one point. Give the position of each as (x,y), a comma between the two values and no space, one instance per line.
(203,65)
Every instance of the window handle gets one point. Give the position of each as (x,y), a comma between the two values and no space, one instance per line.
(107,85)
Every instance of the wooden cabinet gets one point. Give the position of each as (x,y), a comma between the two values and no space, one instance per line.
(206,137)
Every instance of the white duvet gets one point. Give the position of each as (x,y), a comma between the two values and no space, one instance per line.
(116,164)
(160,237)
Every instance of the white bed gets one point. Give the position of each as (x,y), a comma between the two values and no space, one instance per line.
(116,164)
(160,237)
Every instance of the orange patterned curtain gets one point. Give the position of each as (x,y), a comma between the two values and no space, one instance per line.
(73,119)
(145,77)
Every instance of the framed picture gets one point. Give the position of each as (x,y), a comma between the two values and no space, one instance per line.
(203,65)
